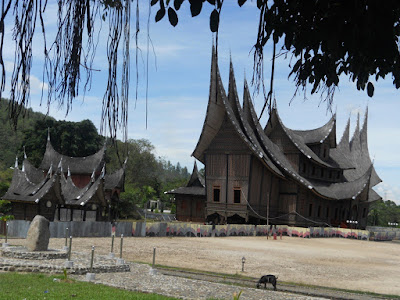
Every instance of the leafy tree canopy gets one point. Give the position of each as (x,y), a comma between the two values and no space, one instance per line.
(68,138)
(383,212)
(323,39)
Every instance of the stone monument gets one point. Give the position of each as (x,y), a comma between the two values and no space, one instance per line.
(38,234)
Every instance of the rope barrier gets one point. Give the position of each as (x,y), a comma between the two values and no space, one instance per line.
(282,216)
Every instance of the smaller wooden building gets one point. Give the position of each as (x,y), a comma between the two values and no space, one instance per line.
(65,188)
(190,200)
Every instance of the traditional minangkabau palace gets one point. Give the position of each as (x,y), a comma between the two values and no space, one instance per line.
(274,174)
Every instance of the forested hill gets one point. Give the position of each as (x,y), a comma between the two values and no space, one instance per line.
(11,140)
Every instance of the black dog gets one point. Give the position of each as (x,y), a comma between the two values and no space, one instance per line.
(267,279)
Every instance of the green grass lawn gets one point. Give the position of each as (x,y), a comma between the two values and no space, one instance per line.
(15,286)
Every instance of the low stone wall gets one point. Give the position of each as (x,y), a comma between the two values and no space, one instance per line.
(81,265)
(198,230)
(21,253)
(19,229)
(384,233)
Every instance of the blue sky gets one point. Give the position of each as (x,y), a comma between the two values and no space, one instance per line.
(179,85)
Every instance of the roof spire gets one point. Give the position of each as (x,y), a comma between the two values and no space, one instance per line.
(25,157)
(93,175)
(48,134)
(274,103)
(103,171)
(23,167)
(16,163)
(50,170)
(60,165)
(69,172)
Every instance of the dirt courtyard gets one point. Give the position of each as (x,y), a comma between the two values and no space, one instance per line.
(332,262)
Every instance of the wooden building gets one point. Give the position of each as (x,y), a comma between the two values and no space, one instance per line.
(190,200)
(65,188)
(277,175)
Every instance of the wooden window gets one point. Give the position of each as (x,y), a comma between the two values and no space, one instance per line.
(324,152)
(236,194)
(322,172)
(319,211)
(364,212)
(336,213)
(310,210)
(330,174)
(313,171)
(216,193)
(327,212)
(304,167)
(338,175)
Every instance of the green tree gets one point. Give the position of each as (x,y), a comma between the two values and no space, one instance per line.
(325,39)
(383,212)
(68,138)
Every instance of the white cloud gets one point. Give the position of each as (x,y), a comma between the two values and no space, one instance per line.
(389,192)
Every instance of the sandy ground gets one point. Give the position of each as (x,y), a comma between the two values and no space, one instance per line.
(332,262)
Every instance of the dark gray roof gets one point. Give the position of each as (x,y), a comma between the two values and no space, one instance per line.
(192,190)
(319,135)
(115,180)
(34,175)
(299,142)
(22,189)
(77,165)
(341,154)
(196,180)
(195,185)
(73,195)
(373,196)
(31,184)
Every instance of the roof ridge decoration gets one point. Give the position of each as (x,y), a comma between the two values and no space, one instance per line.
(16,163)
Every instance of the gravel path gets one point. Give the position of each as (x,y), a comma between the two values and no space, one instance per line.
(140,279)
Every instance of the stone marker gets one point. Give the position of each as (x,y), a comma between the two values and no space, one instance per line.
(38,234)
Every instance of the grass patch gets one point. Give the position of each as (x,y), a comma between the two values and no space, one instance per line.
(41,286)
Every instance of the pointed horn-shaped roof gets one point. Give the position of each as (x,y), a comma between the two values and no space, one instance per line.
(344,141)
(78,165)
(215,111)
(233,97)
(196,179)
(16,163)
(355,139)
